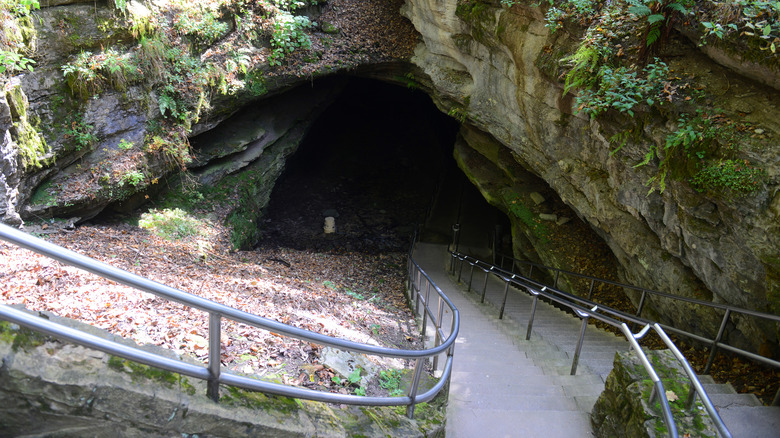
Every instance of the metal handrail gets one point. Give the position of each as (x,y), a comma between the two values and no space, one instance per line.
(581,307)
(714,343)
(212,372)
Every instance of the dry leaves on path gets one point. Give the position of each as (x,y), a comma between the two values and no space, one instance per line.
(354,296)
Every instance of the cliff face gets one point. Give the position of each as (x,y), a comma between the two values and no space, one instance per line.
(499,69)
(73,143)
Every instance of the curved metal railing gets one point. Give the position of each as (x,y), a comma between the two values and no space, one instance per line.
(212,372)
(586,309)
(715,343)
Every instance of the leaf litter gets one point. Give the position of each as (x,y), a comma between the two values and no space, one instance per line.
(354,296)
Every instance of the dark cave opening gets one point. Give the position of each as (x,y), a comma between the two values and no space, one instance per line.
(375,159)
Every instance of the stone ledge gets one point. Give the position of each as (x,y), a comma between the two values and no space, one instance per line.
(49,388)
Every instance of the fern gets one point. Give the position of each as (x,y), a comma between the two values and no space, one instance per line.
(168,104)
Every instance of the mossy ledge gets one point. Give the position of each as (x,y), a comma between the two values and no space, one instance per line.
(48,386)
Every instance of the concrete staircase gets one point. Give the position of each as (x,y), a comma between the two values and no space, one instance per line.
(506,386)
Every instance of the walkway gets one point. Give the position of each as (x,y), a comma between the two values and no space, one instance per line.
(505,386)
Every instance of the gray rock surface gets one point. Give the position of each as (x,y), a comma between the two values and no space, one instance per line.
(680,241)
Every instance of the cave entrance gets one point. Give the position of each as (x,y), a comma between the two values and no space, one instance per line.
(375,160)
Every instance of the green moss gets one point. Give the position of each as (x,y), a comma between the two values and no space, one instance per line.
(516,208)
(31,145)
(248,206)
(257,400)
(479,15)
(20,337)
(140,372)
(43,195)
(255,83)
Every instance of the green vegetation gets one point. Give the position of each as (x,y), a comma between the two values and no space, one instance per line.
(705,149)
(289,35)
(622,89)
(257,400)
(140,372)
(391,380)
(16,36)
(619,68)
(352,381)
(458,113)
(80,134)
(171,224)
(20,338)
(734,175)
(14,62)
(200,24)
(517,209)
(125,145)
(89,74)
(134,178)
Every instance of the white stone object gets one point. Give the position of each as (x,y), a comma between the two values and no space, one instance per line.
(537,198)
(330,225)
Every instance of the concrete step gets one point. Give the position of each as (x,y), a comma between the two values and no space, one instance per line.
(730,400)
(507,424)
(517,401)
(717,388)
(752,421)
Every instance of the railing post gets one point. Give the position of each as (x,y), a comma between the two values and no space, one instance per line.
(714,348)
(471,277)
(419,289)
(503,303)
(437,327)
(530,271)
(215,354)
(577,352)
(533,312)
(555,283)
(590,291)
(413,389)
(425,309)
(641,303)
(484,285)
(455,236)
(640,307)
(460,270)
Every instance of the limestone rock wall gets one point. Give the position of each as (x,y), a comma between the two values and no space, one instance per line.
(491,68)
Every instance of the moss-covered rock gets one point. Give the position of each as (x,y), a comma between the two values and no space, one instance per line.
(624,408)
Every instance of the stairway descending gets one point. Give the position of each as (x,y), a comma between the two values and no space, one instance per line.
(743,414)
(506,386)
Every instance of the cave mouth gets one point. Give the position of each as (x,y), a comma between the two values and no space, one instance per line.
(374,160)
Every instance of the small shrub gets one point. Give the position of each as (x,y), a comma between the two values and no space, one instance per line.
(171,224)
(391,381)
(288,35)
(12,62)
(90,74)
(81,134)
(732,175)
(175,152)
(126,145)
(134,178)
(623,89)
(202,25)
